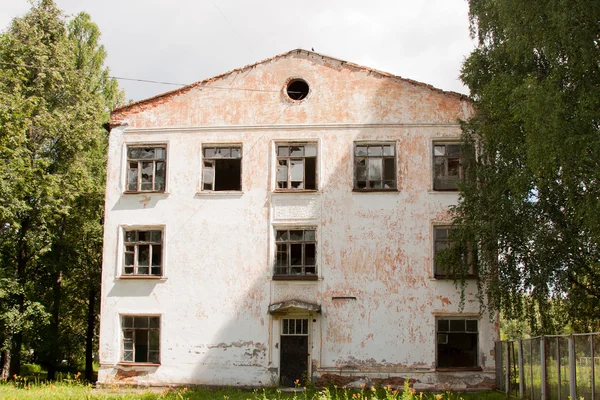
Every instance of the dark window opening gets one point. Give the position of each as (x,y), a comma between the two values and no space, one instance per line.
(295,252)
(457,343)
(297,167)
(441,241)
(143,253)
(297,89)
(146,169)
(141,339)
(374,166)
(447,166)
(222,169)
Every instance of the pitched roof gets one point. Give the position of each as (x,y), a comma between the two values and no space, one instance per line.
(300,52)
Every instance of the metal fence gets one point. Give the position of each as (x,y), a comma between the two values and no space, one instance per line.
(550,367)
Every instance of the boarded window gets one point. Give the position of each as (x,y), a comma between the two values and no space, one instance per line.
(222,168)
(447,166)
(297,166)
(143,252)
(141,339)
(296,252)
(457,343)
(146,168)
(374,166)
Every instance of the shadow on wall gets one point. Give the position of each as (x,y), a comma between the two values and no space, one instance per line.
(373,293)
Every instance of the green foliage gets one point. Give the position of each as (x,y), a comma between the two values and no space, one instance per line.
(71,387)
(531,200)
(56,97)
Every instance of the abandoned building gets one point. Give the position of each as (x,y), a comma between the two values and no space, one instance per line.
(279,222)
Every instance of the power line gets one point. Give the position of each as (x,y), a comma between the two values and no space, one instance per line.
(146,80)
(232,27)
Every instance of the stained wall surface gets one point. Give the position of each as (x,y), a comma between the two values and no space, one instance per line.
(375,288)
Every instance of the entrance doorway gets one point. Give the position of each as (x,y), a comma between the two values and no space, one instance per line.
(293,364)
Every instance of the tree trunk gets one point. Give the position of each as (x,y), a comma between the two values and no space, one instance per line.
(55,349)
(4,360)
(17,337)
(89,336)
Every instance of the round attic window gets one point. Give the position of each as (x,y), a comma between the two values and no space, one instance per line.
(297,89)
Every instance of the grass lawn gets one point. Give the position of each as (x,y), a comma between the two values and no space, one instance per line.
(72,389)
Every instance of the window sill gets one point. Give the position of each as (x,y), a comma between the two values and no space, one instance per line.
(295,277)
(458,369)
(137,364)
(445,191)
(147,192)
(379,191)
(446,277)
(220,193)
(307,191)
(143,277)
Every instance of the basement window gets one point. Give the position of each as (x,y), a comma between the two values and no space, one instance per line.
(222,168)
(457,343)
(141,339)
(297,89)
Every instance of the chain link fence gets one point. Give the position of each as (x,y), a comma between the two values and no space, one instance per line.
(550,367)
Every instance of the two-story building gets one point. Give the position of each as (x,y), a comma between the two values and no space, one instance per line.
(279,222)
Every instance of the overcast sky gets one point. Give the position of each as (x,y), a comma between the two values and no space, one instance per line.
(185,41)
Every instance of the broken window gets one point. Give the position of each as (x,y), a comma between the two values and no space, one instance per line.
(447,166)
(222,168)
(457,343)
(374,166)
(296,251)
(297,166)
(143,253)
(141,339)
(146,168)
(441,241)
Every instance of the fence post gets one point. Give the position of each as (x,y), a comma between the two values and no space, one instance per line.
(593,368)
(543,371)
(508,368)
(572,371)
(558,368)
(498,359)
(521,371)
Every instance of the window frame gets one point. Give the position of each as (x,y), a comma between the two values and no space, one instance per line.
(303,275)
(355,157)
(446,142)
(289,158)
(135,265)
(128,160)
(472,267)
(204,159)
(465,318)
(125,340)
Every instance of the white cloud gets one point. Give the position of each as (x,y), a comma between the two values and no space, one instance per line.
(186,40)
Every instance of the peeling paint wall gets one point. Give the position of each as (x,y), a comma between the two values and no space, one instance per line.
(374,249)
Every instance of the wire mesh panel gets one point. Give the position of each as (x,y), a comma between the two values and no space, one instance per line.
(596,364)
(552,370)
(536,369)
(513,353)
(563,344)
(583,362)
(527,369)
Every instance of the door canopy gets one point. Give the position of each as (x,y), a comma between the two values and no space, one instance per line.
(293,305)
